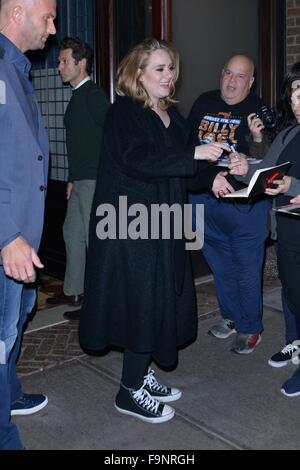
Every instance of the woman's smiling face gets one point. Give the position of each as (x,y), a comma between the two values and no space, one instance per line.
(158,75)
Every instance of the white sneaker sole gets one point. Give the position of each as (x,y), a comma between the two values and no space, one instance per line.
(221,335)
(160,419)
(169,398)
(296,394)
(246,351)
(30,411)
(277,365)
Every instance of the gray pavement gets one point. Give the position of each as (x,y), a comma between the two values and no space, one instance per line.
(229,401)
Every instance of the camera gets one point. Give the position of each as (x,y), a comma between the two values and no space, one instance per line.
(268,117)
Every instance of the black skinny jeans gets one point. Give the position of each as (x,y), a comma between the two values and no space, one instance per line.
(289,273)
(134,368)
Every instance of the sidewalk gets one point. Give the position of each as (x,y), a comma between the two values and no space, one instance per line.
(229,401)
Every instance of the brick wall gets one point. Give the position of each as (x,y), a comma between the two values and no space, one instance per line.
(293,32)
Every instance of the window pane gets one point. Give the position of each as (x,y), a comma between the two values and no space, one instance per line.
(74,18)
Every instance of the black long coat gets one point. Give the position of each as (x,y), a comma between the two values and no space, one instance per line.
(139,294)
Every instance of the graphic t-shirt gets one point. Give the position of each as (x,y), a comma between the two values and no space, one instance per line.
(212,120)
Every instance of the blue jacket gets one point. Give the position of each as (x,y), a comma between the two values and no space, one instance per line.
(24,154)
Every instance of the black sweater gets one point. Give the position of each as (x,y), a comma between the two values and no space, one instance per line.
(84,119)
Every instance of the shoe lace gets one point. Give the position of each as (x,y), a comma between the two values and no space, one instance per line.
(22,402)
(289,349)
(228,323)
(144,399)
(152,383)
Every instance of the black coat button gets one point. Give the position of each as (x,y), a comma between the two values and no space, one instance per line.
(40,158)
(43,188)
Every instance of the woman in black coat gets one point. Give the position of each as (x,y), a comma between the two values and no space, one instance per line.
(139,292)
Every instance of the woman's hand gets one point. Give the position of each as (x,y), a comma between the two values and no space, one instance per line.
(221,187)
(238,164)
(256,127)
(295,200)
(282,186)
(211,151)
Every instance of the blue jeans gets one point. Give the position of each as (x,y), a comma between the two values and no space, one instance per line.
(16,302)
(237,269)
(234,238)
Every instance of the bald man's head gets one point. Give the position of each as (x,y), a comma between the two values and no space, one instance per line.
(27,23)
(12,3)
(2,3)
(237,79)
(8,5)
(242,58)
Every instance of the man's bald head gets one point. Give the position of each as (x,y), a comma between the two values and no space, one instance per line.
(7,8)
(237,78)
(14,2)
(2,3)
(27,23)
(8,5)
(244,59)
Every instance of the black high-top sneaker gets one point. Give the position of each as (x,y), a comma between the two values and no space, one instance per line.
(140,404)
(160,392)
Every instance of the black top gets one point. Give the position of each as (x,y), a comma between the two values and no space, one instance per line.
(288,226)
(84,119)
(213,120)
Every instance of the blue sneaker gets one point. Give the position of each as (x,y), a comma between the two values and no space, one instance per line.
(291,387)
(28,404)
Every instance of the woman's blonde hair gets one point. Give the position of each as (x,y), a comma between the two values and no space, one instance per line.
(131,68)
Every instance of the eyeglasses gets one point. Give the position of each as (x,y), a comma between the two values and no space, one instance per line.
(294,101)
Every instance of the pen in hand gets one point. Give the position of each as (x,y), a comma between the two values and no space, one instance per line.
(236,157)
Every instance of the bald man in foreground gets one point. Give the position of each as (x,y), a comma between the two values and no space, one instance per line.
(234,232)
(24,25)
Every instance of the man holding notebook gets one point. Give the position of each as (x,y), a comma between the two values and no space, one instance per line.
(235,231)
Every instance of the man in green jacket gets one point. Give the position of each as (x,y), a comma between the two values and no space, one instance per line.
(84,119)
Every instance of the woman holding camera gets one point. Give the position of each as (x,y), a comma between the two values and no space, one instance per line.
(286,148)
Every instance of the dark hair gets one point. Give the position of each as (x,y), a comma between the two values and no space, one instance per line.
(285,113)
(80,50)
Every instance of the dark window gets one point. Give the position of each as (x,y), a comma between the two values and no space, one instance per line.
(74,18)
